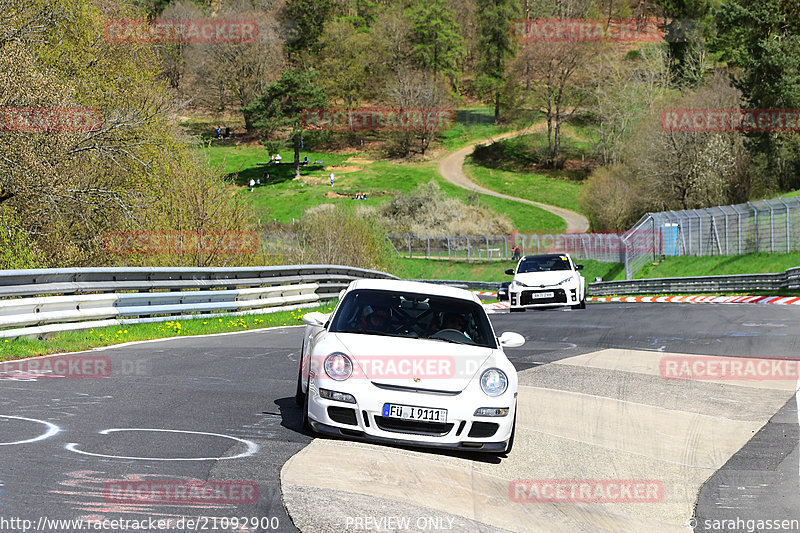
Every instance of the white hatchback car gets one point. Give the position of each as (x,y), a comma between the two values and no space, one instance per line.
(548,280)
(409,363)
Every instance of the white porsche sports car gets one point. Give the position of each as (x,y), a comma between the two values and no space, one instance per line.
(409,363)
(549,280)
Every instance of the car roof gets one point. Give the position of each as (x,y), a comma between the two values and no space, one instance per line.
(414,286)
(543,256)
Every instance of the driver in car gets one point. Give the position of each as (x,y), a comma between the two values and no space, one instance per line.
(456,322)
(375,319)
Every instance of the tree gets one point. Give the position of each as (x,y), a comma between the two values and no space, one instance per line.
(762,39)
(307,19)
(685,32)
(557,78)
(234,73)
(282,106)
(350,63)
(689,170)
(436,42)
(66,187)
(495,45)
(412,90)
(632,85)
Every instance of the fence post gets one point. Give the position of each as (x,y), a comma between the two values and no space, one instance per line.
(468,256)
(505,244)
(771,227)
(409,245)
(755,212)
(788,226)
(487,246)
(449,257)
(429,246)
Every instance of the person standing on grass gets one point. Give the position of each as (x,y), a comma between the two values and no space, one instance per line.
(252,184)
(332,178)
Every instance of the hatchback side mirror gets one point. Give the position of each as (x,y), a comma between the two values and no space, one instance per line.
(578,267)
(510,271)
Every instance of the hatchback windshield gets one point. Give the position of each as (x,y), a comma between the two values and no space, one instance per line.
(418,316)
(543,263)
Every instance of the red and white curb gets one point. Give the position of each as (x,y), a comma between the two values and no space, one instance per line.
(485,293)
(775,300)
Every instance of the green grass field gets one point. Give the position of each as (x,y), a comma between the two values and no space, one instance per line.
(720,265)
(529,185)
(76,341)
(283,198)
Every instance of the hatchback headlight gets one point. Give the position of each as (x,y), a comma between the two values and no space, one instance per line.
(494,382)
(338,366)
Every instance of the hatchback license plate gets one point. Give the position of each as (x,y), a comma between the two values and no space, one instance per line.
(535,295)
(408,412)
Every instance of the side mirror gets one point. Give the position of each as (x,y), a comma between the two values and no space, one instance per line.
(510,271)
(578,267)
(509,339)
(315,319)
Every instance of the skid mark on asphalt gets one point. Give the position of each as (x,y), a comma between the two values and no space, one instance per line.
(625,422)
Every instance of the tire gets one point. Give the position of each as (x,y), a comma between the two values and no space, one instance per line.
(306,424)
(581,305)
(299,396)
(517,309)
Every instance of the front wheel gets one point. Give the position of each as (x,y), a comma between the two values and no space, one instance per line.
(581,305)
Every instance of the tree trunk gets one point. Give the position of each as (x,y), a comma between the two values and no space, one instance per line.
(297,156)
(496,106)
(248,120)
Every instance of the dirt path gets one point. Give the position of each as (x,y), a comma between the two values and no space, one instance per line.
(451,167)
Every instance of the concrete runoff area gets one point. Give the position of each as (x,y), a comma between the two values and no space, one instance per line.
(603,416)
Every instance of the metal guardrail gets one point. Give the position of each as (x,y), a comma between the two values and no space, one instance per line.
(789,280)
(37,303)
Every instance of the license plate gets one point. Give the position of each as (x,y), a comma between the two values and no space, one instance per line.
(408,412)
(535,295)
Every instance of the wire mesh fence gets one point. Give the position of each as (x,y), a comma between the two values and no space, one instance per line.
(604,247)
(762,226)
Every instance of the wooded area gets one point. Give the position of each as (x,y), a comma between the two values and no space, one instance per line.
(62,189)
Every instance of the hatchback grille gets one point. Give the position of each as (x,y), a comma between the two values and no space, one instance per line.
(559,297)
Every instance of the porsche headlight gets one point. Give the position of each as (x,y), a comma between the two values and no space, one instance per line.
(494,382)
(338,366)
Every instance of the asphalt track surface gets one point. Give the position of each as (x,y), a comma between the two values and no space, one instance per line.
(225,408)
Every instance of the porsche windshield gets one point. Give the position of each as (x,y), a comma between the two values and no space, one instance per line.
(412,315)
(543,263)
